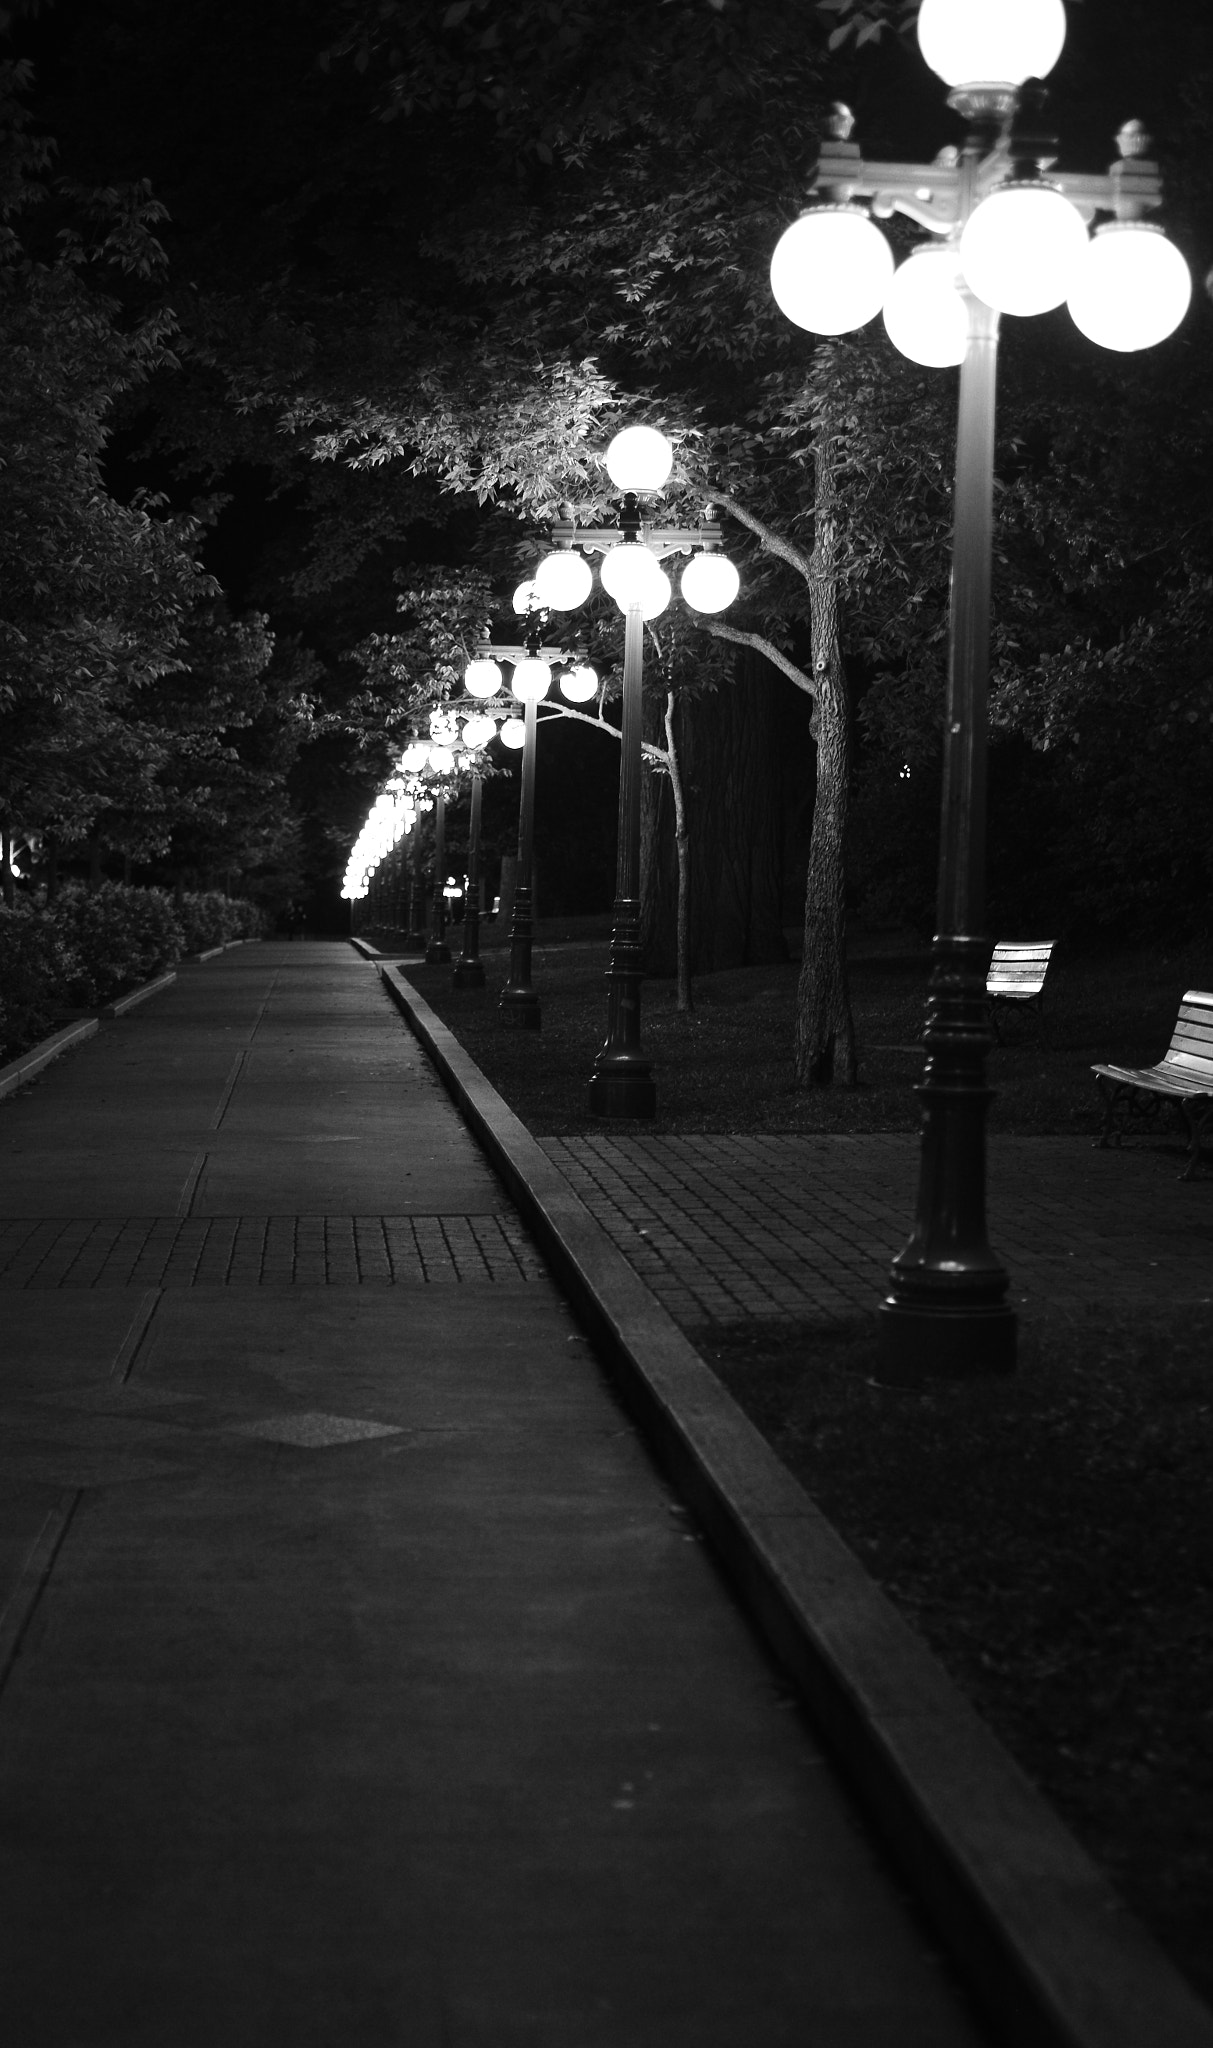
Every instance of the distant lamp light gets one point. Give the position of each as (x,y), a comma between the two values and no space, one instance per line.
(482,677)
(563,580)
(443,727)
(831,269)
(531,680)
(579,684)
(512,734)
(478,731)
(709,582)
(441,759)
(525,597)
(1022,247)
(991,42)
(924,313)
(414,757)
(639,459)
(1132,288)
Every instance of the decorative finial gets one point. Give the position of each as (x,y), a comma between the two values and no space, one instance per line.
(1132,140)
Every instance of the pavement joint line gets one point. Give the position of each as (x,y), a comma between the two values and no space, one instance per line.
(131,1345)
(237,1069)
(1046,1945)
(33,1577)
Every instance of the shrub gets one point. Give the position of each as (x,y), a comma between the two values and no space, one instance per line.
(120,936)
(37,965)
(208,918)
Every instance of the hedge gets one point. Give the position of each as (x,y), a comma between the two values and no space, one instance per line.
(89,945)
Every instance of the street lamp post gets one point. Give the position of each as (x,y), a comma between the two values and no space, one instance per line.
(532,664)
(437,950)
(469,968)
(1012,237)
(638,462)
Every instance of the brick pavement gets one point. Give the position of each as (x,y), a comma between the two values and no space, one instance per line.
(791,1228)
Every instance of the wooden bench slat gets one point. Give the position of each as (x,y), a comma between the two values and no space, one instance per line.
(1184,1075)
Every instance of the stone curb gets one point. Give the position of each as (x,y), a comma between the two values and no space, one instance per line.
(21,1070)
(1046,1946)
(121,1004)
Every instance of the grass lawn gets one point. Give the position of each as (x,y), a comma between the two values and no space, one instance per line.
(1050,1534)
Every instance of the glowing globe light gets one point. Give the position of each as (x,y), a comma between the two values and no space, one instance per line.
(525,599)
(478,731)
(443,727)
(657,596)
(831,269)
(442,760)
(531,681)
(639,459)
(1022,247)
(563,580)
(924,313)
(512,734)
(991,42)
(709,582)
(414,757)
(1132,288)
(629,572)
(579,684)
(482,677)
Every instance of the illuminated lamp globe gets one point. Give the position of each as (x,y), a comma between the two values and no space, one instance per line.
(1021,249)
(531,681)
(709,582)
(482,677)
(414,757)
(442,760)
(512,734)
(657,596)
(443,727)
(831,269)
(629,572)
(478,731)
(563,580)
(525,598)
(991,42)
(924,314)
(579,684)
(639,459)
(1132,288)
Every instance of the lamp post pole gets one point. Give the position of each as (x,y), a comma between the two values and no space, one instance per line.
(469,968)
(622,1084)
(438,951)
(519,1003)
(1012,235)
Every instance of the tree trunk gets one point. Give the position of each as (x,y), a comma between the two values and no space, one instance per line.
(825,1030)
(731,786)
(7,883)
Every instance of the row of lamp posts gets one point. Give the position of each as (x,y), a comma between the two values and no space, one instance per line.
(1010,234)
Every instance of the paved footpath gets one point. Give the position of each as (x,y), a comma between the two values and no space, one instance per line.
(361,1683)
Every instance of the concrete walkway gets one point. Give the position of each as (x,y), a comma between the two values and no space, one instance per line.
(362,1682)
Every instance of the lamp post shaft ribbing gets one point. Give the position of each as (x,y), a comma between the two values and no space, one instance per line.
(946,1311)
(622,1083)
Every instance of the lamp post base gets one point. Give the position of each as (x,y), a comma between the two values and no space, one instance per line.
(920,1343)
(520,1007)
(436,953)
(468,974)
(623,1092)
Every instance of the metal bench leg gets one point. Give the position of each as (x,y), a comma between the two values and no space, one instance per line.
(1111,1097)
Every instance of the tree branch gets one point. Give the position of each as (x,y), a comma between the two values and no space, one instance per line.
(774,543)
(765,647)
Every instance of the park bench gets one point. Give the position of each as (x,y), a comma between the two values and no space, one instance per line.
(1017,975)
(1183,1078)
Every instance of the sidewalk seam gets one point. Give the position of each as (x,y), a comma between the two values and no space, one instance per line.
(1047,1946)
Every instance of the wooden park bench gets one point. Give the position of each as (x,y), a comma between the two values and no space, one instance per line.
(1183,1078)
(1017,975)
